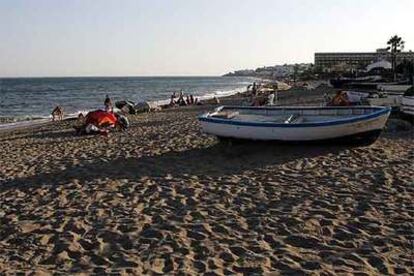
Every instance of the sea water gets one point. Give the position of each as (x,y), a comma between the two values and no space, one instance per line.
(28,99)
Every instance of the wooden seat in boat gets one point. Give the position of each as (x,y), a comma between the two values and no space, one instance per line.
(226,114)
(294,119)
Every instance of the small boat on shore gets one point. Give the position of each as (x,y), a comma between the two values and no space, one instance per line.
(377,98)
(360,124)
(407,103)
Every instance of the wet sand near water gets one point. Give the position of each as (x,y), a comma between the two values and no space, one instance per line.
(166,198)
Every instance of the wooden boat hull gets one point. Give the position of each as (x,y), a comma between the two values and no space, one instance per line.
(357,128)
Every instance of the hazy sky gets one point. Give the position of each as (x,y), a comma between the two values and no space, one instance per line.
(188,37)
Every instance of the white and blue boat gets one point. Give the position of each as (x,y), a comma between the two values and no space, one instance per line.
(361,124)
(407,103)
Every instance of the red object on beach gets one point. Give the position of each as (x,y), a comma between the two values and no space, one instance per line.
(100,118)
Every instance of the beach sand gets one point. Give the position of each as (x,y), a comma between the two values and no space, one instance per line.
(166,198)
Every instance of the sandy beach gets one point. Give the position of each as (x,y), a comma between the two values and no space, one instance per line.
(166,198)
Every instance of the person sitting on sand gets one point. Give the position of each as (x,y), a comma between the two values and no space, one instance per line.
(172,101)
(108,104)
(259,101)
(57,113)
(173,97)
(340,99)
(101,122)
(197,102)
(181,101)
(81,118)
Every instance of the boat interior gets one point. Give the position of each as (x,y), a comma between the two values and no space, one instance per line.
(290,115)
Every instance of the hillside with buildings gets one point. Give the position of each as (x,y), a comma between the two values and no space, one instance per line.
(273,72)
(390,62)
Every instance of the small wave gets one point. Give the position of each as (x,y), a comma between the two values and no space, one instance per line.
(25,118)
(208,95)
(19,124)
(76,114)
(31,120)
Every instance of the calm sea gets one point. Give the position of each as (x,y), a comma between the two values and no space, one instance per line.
(34,98)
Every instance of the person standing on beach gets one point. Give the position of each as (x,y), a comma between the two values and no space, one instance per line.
(271,99)
(254,89)
(108,104)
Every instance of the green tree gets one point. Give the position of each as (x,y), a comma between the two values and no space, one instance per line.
(395,45)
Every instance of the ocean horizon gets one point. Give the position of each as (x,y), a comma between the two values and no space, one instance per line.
(123,76)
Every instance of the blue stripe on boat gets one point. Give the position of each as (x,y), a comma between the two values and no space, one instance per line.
(381,111)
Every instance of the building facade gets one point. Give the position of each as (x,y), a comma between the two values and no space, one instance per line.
(355,60)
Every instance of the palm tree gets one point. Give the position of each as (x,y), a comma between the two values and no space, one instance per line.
(395,45)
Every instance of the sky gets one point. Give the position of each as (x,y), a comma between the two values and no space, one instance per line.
(188,37)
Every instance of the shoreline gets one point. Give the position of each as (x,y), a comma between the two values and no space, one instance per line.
(158,103)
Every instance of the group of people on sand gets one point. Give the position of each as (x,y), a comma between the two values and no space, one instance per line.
(255,88)
(259,98)
(340,99)
(181,101)
(270,100)
(100,121)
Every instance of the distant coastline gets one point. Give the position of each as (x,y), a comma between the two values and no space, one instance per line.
(272,72)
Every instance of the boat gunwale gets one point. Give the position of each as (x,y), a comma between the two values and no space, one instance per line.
(378,112)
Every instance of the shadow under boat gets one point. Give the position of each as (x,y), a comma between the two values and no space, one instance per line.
(360,139)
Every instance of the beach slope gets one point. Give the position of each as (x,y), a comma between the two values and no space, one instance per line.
(165,198)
